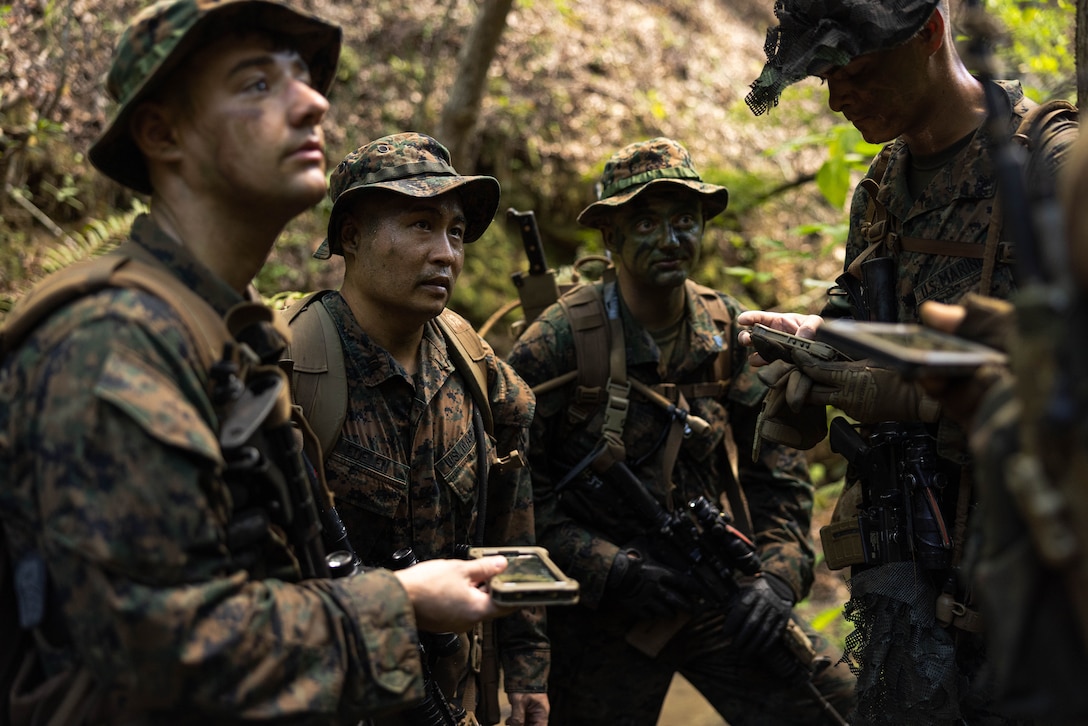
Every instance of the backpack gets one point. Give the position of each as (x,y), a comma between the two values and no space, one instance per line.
(315,359)
(68,696)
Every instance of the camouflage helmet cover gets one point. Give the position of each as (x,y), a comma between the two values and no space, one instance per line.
(639,166)
(160,37)
(414,165)
(814,36)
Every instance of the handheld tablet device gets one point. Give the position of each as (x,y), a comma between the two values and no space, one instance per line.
(775,345)
(914,350)
(530,578)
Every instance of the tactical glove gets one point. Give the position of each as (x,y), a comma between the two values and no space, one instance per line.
(866,393)
(777,421)
(647,589)
(759,613)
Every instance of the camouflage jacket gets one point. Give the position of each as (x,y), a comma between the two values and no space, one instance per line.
(404,469)
(955,206)
(113,475)
(777,487)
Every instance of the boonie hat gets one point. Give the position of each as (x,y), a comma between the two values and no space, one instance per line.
(414,165)
(814,36)
(161,37)
(639,166)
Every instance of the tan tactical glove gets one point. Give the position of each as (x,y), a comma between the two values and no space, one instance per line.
(779,421)
(865,393)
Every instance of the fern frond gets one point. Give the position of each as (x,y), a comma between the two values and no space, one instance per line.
(97,237)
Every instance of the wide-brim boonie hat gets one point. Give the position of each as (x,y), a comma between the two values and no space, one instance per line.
(649,164)
(414,165)
(814,36)
(163,35)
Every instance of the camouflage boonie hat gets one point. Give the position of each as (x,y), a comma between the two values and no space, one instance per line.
(163,35)
(639,166)
(414,165)
(814,36)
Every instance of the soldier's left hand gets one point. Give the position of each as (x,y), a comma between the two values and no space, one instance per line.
(759,613)
(865,392)
(528,709)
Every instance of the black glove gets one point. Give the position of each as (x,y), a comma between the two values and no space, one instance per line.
(759,613)
(647,589)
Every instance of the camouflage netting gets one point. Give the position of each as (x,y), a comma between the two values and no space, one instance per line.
(904,660)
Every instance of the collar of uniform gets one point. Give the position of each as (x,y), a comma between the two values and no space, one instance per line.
(703,337)
(972,178)
(367,362)
(179,260)
(372,365)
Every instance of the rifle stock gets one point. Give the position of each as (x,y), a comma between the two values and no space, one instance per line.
(538,289)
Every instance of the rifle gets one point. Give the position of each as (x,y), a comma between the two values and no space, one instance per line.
(538,289)
(900,517)
(703,542)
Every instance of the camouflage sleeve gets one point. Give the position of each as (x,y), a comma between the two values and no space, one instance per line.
(127,490)
(778,487)
(544,352)
(523,645)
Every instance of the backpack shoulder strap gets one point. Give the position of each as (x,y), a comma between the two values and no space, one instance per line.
(584,307)
(723,366)
(877,225)
(469,359)
(127,267)
(319,378)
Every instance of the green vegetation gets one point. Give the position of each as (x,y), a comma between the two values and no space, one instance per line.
(565,90)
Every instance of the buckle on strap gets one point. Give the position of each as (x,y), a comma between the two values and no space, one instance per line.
(615,413)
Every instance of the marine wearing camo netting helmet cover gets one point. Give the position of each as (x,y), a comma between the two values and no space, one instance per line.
(414,165)
(644,164)
(163,35)
(814,36)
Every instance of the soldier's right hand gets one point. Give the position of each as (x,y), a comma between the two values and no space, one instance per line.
(804,326)
(647,589)
(446,594)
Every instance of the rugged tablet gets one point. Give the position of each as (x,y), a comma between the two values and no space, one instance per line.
(530,578)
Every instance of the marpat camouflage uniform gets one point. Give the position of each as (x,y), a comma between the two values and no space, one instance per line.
(598,677)
(912,669)
(956,205)
(114,476)
(404,470)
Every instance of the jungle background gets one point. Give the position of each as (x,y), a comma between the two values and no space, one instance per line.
(537,93)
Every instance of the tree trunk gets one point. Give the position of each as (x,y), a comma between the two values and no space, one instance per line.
(1080,43)
(462,109)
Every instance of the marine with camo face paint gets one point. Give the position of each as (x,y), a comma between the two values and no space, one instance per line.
(643,619)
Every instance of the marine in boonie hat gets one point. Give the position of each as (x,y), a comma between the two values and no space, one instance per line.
(414,165)
(160,37)
(639,166)
(814,36)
